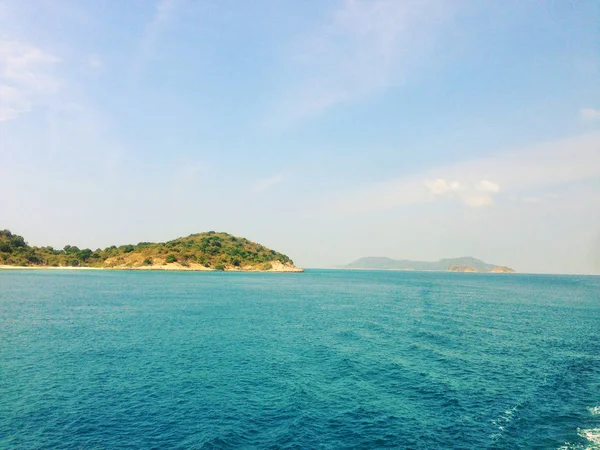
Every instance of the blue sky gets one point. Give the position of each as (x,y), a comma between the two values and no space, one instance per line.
(328,130)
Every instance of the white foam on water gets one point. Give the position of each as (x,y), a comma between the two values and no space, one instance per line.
(595,410)
(592,435)
(503,421)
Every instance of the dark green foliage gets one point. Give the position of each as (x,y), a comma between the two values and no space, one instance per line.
(69,250)
(84,255)
(220,267)
(147,262)
(171,258)
(33,258)
(17,242)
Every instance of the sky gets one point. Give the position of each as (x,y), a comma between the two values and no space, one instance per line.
(327,130)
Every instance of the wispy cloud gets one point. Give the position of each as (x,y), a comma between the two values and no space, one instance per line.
(590,113)
(476,183)
(12,103)
(163,14)
(367,46)
(25,77)
(266,184)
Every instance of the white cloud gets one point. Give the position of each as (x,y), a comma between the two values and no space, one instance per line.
(25,65)
(267,183)
(531,200)
(441,186)
(25,77)
(477,201)
(488,186)
(367,46)
(589,113)
(465,193)
(536,167)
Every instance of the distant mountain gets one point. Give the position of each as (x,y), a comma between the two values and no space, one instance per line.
(464,264)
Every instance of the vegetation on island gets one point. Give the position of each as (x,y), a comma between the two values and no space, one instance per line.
(204,251)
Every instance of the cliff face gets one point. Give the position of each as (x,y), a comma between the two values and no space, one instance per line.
(502,269)
(461,268)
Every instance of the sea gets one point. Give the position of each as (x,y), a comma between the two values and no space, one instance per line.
(326,359)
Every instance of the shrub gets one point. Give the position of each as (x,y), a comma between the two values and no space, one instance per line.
(147,262)
(17,241)
(84,255)
(171,258)
(34,259)
(220,267)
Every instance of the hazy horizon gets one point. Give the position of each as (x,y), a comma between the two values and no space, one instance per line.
(328,131)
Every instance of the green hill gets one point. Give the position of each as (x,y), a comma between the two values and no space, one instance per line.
(463,264)
(203,251)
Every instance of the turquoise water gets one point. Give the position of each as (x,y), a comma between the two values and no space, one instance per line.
(324,359)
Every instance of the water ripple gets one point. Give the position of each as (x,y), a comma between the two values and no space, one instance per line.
(328,359)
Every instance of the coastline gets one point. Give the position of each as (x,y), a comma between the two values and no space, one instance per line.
(8,267)
(165,268)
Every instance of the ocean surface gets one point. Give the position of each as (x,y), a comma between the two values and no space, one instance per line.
(323,359)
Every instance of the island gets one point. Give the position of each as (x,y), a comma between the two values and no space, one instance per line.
(463,264)
(209,251)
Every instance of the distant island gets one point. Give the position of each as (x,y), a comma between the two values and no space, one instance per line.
(210,251)
(464,264)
